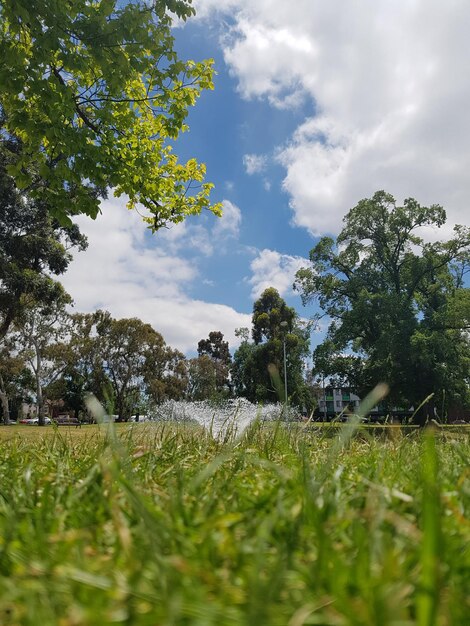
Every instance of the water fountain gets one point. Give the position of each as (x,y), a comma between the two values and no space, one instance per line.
(230,417)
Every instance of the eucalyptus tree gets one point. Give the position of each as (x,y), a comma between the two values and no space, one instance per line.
(165,374)
(96,94)
(202,378)
(258,369)
(399,305)
(136,361)
(43,341)
(217,350)
(85,372)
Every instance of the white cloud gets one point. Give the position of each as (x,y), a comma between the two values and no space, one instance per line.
(255,163)
(192,235)
(187,235)
(252,43)
(229,224)
(131,275)
(272,269)
(390,89)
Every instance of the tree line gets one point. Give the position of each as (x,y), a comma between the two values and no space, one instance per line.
(52,356)
(398,310)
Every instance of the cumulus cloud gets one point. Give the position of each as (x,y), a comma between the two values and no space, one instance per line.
(390,89)
(272,269)
(132,274)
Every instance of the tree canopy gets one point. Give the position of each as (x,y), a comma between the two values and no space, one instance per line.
(34,248)
(136,360)
(42,334)
(258,370)
(217,350)
(96,95)
(398,304)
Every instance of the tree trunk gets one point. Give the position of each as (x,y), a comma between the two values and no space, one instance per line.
(425,414)
(40,404)
(39,394)
(5,403)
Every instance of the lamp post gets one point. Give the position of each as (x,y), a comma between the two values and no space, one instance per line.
(284,326)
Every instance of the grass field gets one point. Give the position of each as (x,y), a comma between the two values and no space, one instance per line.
(162,525)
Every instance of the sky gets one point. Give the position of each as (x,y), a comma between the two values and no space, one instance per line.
(316,105)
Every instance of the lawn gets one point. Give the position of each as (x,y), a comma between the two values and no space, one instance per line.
(162,525)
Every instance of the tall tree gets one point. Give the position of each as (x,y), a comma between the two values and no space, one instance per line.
(34,248)
(271,317)
(246,376)
(217,350)
(85,372)
(165,375)
(43,342)
(202,375)
(399,306)
(258,368)
(96,94)
(123,347)
(136,361)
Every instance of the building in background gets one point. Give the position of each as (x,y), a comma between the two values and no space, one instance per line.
(333,401)
(342,401)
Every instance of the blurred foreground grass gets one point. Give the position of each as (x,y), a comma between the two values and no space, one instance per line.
(158,524)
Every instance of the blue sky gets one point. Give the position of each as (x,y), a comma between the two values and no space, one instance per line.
(316,105)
